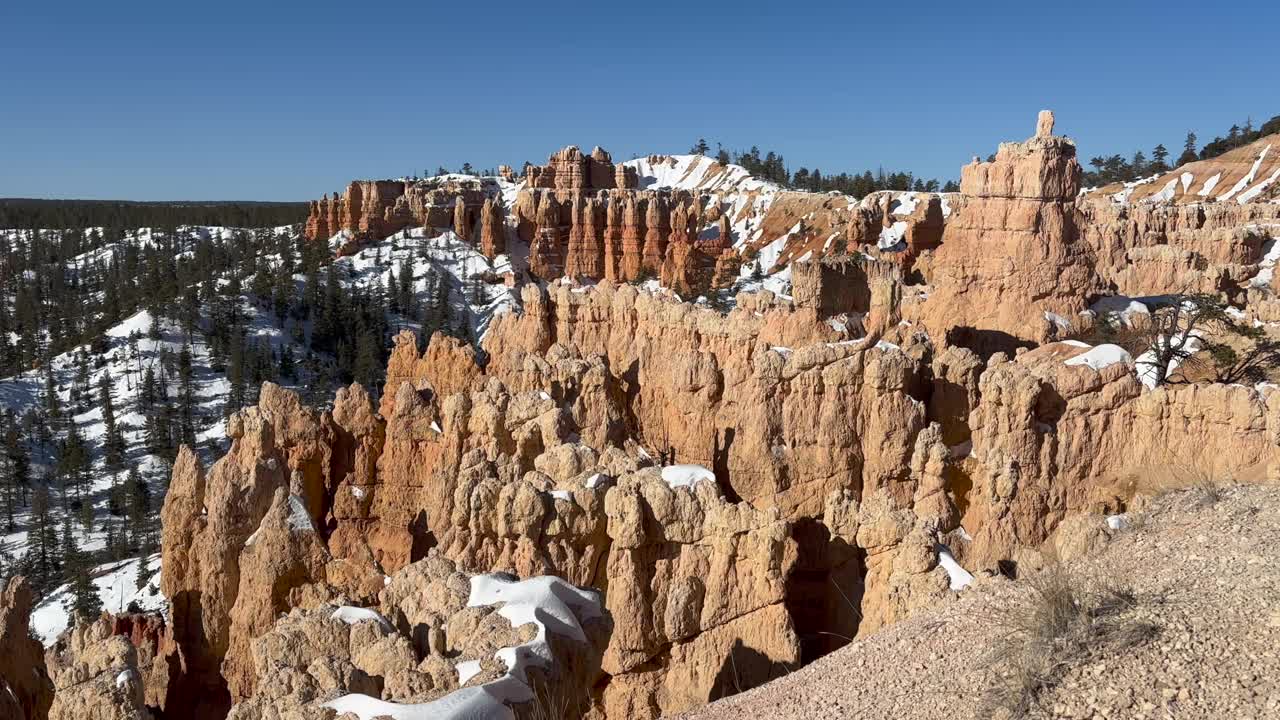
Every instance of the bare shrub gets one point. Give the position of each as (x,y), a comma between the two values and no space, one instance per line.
(552,701)
(1204,486)
(1062,620)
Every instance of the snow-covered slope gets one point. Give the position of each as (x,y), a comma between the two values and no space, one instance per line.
(117,586)
(1248,174)
(475,302)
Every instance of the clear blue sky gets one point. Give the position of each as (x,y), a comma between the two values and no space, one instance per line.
(277,101)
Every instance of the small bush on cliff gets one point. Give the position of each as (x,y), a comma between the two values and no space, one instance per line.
(1193,336)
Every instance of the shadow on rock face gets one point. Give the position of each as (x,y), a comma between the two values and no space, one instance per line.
(742,669)
(986,343)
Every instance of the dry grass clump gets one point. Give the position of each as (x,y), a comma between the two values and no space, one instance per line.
(551,701)
(1062,620)
(1206,486)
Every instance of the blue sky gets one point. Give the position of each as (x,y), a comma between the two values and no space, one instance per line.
(282,101)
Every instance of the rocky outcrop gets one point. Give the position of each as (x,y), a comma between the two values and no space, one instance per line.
(25,689)
(371,210)
(569,169)
(1051,439)
(493,235)
(242,542)
(1146,249)
(1012,256)
(96,676)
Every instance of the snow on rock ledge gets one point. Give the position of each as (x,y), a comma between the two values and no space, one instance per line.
(678,476)
(552,605)
(352,615)
(1102,356)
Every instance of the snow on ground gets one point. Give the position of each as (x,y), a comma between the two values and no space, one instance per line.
(444,256)
(1243,182)
(131,353)
(1148,369)
(1209,185)
(893,237)
(1124,309)
(132,350)
(1256,190)
(550,604)
(1166,194)
(1122,197)
(117,586)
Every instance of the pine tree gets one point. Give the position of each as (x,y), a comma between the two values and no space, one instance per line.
(1160,159)
(113,439)
(404,289)
(282,293)
(19,462)
(81,389)
(52,403)
(186,398)
(1188,150)
(367,363)
(87,516)
(287,365)
(82,603)
(138,508)
(1138,166)
(73,462)
(43,561)
(8,491)
(237,393)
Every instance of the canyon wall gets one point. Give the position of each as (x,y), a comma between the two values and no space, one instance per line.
(743,488)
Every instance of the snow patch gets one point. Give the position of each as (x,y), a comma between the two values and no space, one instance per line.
(960,578)
(1102,356)
(677,476)
(1243,182)
(353,615)
(1209,185)
(891,238)
(117,587)
(124,678)
(299,518)
(1256,190)
(1166,194)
